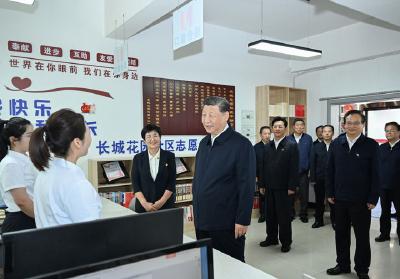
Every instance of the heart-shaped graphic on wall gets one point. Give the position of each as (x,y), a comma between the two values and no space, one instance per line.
(21,83)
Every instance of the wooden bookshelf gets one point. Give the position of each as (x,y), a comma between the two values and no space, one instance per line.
(272,101)
(96,176)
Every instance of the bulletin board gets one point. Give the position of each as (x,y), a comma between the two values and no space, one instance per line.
(175,105)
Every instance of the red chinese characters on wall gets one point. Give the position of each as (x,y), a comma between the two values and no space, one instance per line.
(51,51)
(79,54)
(71,67)
(134,62)
(105,58)
(19,46)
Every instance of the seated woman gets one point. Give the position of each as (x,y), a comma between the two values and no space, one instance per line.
(63,195)
(17,174)
(153,174)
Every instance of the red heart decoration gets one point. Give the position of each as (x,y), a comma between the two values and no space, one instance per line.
(20,83)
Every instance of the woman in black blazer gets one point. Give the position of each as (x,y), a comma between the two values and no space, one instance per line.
(153,174)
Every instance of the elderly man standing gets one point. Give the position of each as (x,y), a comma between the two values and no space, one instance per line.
(223,185)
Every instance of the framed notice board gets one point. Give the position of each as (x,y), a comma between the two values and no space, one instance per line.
(175,105)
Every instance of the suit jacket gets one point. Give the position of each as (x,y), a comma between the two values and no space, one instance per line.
(389,166)
(319,161)
(281,166)
(142,181)
(259,149)
(224,182)
(353,174)
(304,146)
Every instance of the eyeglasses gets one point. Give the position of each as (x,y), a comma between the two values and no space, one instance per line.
(391,131)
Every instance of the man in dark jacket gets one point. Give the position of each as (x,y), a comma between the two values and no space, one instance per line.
(304,144)
(279,180)
(319,160)
(259,148)
(318,133)
(352,185)
(224,180)
(389,180)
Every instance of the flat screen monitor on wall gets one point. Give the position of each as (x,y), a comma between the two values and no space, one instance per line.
(39,251)
(187,261)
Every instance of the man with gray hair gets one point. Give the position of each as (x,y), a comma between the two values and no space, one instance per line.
(223,185)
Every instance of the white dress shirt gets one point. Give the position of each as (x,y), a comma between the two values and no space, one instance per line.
(297,138)
(392,145)
(63,195)
(352,142)
(16,171)
(154,162)
(277,142)
(213,138)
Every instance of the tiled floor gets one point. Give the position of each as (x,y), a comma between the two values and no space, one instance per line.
(313,251)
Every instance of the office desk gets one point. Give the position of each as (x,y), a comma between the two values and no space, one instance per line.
(225,267)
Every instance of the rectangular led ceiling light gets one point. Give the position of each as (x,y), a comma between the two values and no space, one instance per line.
(293,50)
(26,2)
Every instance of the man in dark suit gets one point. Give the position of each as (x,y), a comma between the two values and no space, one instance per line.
(223,185)
(318,133)
(352,185)
(153,174)
(279,179)
(389,180)
(259,148)
(304,144)
(319,160)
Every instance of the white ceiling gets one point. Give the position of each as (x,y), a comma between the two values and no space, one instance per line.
(284,20)
(290,20)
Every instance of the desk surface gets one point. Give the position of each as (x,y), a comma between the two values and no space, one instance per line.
(224,265)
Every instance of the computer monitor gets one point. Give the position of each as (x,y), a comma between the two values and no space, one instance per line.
(187,261)
(39,251)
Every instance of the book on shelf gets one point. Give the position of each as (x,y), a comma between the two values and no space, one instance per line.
(122,198)
(279,109)
(114,171)
(181,166)
(183,192)
(299,110)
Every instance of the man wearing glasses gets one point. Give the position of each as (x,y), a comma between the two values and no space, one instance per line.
(389,183)
(352,183)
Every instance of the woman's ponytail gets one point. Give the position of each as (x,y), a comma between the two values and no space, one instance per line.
(38,150)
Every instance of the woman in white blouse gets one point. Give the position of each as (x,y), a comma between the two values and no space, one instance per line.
(17,174)
(63,195)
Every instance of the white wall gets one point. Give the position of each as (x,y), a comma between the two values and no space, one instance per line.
(79,25)
(357,41)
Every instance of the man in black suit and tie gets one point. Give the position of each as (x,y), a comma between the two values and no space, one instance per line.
(352,183)
(319,161)
(279,179)
(153,174)
(223,185)
(259,148)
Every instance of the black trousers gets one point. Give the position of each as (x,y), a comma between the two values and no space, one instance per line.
(387,197)
(358,215)
(17,221)
(302,195)
(319,189)
(278,216)
(225,242)
(262,205)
